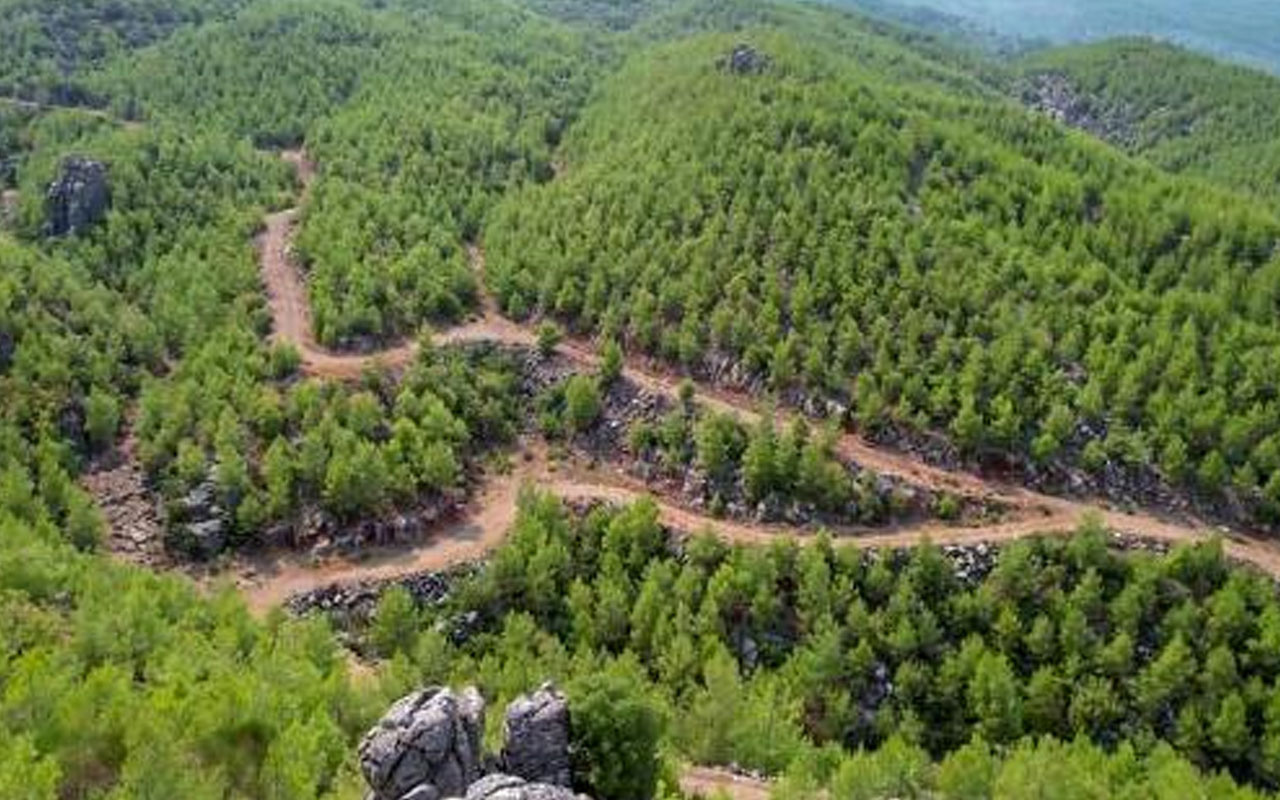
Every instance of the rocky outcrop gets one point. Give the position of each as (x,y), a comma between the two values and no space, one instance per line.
(78,198)
(536,736)
(198,523)
(118,485)
(427,747)
(1054,95)
(323,534)
(360,598)
(350,606)
(510,787)
(744,60)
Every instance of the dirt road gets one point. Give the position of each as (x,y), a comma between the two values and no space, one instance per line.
(287,293)
(707,782)
(491,513)
(485,523)
(470,537)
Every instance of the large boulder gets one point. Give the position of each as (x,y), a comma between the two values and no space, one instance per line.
(426,747)
(536,737)
(510,787)
(744,60)
(78,198)
(198,524)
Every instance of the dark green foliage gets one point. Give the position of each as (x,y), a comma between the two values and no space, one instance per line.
(455,114)
(549,337)
(267,74)
(979,271)
(615,729)
(47,45)
(581,402)
(353,452)
(762,464)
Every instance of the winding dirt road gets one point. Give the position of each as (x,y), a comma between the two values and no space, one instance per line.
(291,310)
(1029,512)
(482,526)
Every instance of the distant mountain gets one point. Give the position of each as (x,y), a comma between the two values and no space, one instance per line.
(1183,111)
(1243,30)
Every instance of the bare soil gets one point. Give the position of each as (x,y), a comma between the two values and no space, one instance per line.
(117,483)
(706,782)
(8,204)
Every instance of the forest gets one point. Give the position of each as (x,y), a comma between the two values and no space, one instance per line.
(833,211)
(1182,111)
(783,658)
(938,263)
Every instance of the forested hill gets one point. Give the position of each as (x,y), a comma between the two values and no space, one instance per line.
(47,47)
(816,269)
(1183,111)
(842,226)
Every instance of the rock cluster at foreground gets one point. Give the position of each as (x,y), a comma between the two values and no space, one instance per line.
(510,787)
(536,733)
(428,747)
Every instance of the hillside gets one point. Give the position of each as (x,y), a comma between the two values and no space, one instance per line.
(47,48)
(830,225)
(821,420)
(1184,112)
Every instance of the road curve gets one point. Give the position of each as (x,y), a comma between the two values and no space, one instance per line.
(1029,512)
(483,525)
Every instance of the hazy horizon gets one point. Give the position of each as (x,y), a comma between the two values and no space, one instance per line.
(1247,31)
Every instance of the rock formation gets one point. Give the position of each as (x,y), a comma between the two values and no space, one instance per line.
(536,736)
(744,60)
(1053,94)
(78,198)
(428,746)
(510,787)
(199,524)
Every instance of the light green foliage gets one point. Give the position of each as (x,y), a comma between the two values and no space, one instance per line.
(102,418)
(549,337)
(611,362)
(864,219)
(395,623)
(615,733)
(581,402)
(126,684)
